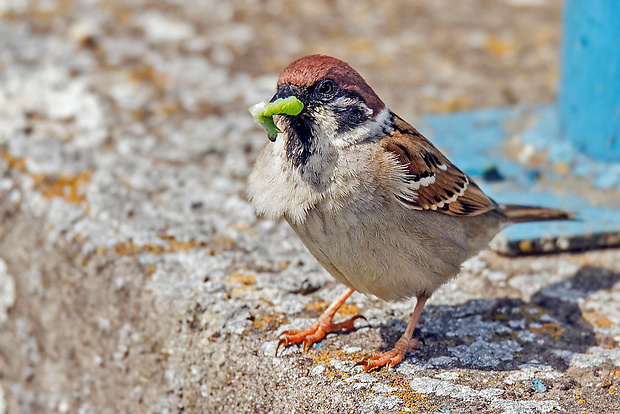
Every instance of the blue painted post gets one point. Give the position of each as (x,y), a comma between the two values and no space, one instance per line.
(589,96)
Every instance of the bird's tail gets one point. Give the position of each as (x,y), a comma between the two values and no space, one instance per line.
(525,214)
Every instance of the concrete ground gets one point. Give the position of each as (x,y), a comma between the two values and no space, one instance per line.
(134,276)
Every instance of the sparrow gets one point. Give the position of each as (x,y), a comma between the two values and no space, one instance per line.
(374,201)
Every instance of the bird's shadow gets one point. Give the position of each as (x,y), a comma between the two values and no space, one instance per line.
(505,334)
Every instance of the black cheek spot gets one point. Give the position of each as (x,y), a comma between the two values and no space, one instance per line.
(349,118)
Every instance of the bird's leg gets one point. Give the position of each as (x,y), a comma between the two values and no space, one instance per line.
(321,327)
(402,346)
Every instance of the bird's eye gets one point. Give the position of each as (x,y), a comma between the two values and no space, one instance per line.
(325,87)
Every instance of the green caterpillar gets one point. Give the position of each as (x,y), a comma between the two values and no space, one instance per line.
(263,113)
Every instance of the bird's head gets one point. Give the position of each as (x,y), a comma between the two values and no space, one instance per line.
(339,108)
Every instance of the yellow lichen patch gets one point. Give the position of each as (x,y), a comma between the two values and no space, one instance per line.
(39,14)
(126,248)
(317,306)
(578,398)
(268,321)
(497,46)
(176,245)
(70,189)
(552,329)
(240,279)
(14,163)
(240,283)
(146,73)
(130,248)
(611,383)
(149,75)
(410,398)
(345,311)
(325,357)
(120,12)
(596,319)
(151,248)
(168,108)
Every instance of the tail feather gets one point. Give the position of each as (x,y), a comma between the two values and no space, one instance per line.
(526,214)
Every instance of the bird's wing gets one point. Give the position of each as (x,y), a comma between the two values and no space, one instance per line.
(431,181)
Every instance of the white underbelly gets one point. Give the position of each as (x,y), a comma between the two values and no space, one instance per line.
(381,256)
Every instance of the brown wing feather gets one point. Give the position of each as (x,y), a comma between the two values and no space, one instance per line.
(435,182)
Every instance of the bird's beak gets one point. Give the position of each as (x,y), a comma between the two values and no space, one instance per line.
(284,102)
(284,92)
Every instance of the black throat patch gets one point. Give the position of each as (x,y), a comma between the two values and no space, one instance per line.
(299,143)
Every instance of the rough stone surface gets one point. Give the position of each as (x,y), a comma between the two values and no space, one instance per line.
(134,276)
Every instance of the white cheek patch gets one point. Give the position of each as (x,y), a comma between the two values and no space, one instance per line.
(371,128)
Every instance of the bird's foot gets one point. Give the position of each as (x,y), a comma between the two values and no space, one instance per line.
(390,358)
(316,332)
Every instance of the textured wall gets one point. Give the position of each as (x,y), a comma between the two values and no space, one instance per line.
(138,279)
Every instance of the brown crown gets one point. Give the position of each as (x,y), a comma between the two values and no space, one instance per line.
(310,69)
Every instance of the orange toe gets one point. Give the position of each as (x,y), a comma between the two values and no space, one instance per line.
(315,333)
(390,358)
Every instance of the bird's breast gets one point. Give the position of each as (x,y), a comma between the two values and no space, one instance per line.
(375,252)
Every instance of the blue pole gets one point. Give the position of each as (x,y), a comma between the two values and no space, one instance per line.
(589,96)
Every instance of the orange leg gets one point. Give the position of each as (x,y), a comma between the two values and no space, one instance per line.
(402,346)
(321,327)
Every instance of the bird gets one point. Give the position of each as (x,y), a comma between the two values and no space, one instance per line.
(382,209)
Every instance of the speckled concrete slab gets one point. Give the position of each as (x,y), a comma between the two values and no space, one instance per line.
(134,276)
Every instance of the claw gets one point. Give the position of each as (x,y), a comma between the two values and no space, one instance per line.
(390,358)
(320,328)
(361,363)
(314,333)
(280,342)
